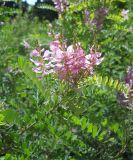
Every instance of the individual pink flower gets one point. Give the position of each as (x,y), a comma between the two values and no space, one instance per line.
(95,57)
(35,53)
(124,14)
(37,69)
(37,63)
(26,44)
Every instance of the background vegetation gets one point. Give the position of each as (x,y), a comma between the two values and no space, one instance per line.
(47,119)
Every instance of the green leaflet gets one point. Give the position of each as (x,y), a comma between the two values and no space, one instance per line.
(46,6)
(94,131)
(100,81)
(90,127)
(27,69)
(2,118)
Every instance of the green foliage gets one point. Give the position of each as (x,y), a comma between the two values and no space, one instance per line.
(6,12)
(113,40)
(26,68)
(1,119)
(51,120)
(46,6)
(106,81)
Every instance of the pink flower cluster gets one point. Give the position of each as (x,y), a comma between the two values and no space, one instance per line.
(69,63)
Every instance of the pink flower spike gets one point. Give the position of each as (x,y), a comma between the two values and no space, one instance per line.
(69,63)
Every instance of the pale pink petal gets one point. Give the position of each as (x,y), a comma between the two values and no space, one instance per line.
(37,70)
(54,46)
(35,53)
(47,54)
(37,63)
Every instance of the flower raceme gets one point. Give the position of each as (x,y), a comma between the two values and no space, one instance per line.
(69,63)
